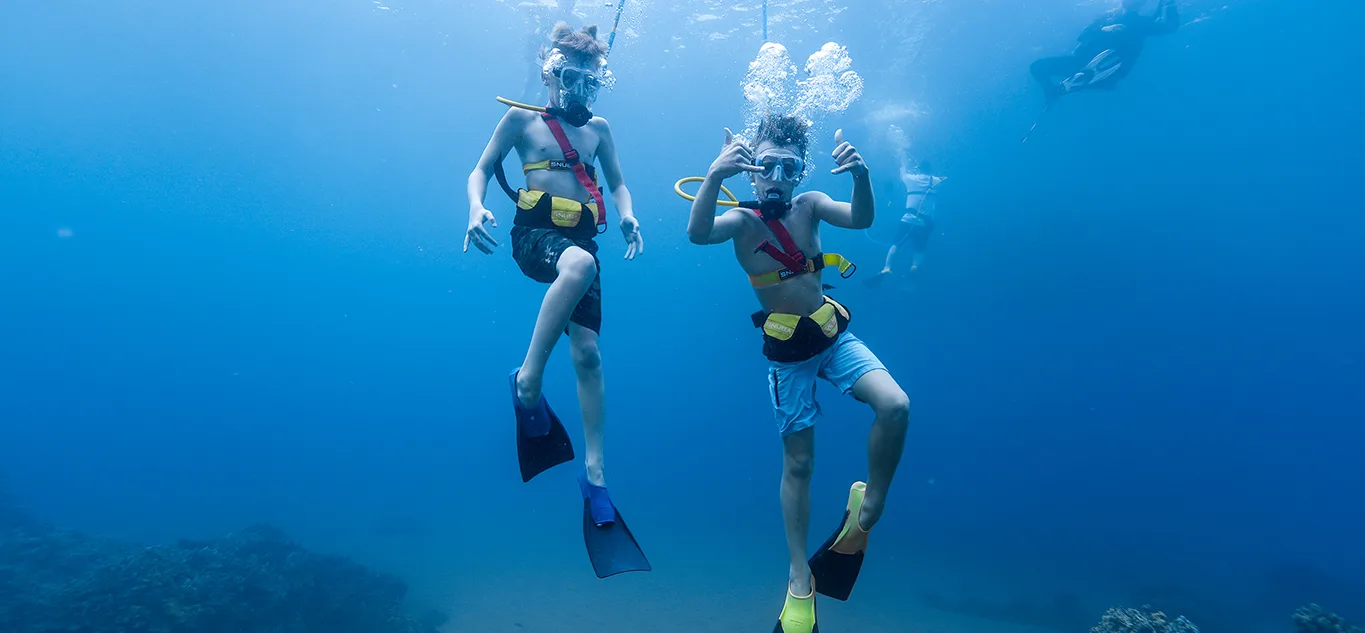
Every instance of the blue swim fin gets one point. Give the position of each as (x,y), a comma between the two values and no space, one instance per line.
(611,547)
(542,442)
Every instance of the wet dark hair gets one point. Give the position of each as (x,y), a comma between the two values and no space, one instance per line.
(925,167)
(786,130)
(579,46)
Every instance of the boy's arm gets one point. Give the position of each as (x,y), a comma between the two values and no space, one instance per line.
(611,170)
(862,209)
(856,215)
(938,180)
(616,183)
(505,137)
(703,227)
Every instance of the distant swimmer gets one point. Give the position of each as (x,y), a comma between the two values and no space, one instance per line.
(805,338)
(1107,51)
(558,216)
(917,225)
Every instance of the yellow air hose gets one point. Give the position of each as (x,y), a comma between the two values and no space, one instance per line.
(523,106)
(677,188)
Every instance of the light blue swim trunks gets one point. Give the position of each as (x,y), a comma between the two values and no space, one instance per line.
(792,385)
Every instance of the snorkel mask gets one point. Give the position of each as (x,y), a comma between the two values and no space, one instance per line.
(578,87)
(780,166)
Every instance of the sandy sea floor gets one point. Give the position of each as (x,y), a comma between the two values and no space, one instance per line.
(561,595)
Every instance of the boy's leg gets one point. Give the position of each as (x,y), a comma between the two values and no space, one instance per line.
(791,387)
(587,363)
(919,241)
(576,270)
(798,461)
(886,441)
(915,260)
(855,370)
(890,253)
(902,232)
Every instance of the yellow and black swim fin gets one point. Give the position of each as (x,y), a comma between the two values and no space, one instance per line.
(836,564)
(798,614)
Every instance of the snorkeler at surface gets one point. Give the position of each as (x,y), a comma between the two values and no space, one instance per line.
(558,217)
(1107,51)
(917,225)
(805,338)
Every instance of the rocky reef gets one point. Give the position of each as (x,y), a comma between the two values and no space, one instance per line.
(1142,620)
(253,581)
(1314,619)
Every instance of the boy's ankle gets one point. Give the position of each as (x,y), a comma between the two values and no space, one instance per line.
(528,385)
(870,514)
(595,472)
(799,581)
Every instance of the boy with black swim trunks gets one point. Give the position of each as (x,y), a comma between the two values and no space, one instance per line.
(558,216)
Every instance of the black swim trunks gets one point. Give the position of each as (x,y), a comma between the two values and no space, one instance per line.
(918,232)
(537,253)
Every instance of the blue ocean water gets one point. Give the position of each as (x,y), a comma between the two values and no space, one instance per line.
(232,291)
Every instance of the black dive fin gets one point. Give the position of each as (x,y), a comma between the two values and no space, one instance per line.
(542,442)
(876,280)
(835,573)
(611,548)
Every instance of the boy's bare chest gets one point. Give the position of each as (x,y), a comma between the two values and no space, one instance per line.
(800,227)
(539,143)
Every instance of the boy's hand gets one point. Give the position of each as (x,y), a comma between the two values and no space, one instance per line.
(476,232)
(734,158)
(635,244)
(847,157)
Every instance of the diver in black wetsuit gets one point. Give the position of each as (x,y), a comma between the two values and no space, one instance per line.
(1107,50)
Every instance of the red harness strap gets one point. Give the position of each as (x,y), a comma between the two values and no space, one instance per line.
(789,255)
(571,155)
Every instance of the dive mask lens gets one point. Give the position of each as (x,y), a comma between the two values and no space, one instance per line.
(780,166)
(579,81)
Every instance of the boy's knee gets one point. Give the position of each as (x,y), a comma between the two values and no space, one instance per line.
(894,408)
(799,466)
(586,355)
(576,263)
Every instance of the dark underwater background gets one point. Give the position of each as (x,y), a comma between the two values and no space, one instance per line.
(232,294)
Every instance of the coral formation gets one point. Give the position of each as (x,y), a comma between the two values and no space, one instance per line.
(254,581)
(1141,621)
(1314,619)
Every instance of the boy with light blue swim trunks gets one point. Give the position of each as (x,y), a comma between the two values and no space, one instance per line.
(806,338)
